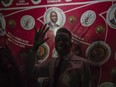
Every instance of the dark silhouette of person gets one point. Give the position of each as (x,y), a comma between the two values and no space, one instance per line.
(53,20)
(10,75)
(68,70)
(113,20)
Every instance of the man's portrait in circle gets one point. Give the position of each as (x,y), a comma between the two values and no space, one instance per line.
(54,18)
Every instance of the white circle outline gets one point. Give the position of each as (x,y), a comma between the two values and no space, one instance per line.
(92,45)
(56,10)
(107,16)
(6,5)
(48,50)
(36,2)
(22,25)
(83,15)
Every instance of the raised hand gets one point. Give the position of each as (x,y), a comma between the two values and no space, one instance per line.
(39,36)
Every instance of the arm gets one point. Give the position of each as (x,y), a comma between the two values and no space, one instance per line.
(30,69)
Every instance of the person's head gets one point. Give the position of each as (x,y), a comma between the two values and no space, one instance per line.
(63,42)
(53,16)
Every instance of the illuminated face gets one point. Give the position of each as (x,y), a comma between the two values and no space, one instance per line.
(53,16)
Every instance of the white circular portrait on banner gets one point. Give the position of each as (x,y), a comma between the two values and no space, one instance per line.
(54,18)
(27,22)
(88,18)
(7,3)
(107,84)
(111,16)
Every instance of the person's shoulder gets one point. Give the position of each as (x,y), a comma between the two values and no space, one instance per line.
(78,62)
(78,58)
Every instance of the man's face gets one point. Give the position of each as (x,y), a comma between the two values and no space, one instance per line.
(53,17)
(63,43)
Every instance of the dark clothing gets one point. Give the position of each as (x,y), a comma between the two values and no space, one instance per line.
(75,72)
(57,71)
(10,75)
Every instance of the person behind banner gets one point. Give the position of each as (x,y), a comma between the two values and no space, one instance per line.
(68,70)
(10,75)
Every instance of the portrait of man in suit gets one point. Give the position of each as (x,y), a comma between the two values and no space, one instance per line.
(53,20)
(113,20)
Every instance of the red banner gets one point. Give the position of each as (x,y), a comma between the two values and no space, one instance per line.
(91,22)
